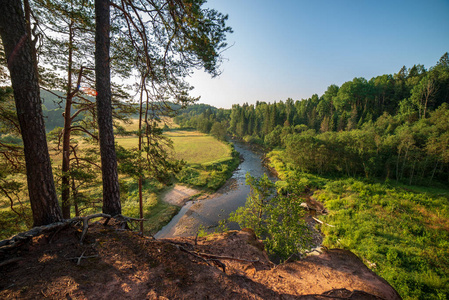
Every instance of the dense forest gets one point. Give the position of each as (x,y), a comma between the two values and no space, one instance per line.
(391,126)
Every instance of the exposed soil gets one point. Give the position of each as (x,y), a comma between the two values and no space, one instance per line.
(123,265)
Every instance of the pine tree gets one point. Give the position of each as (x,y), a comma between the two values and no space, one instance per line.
(111,191)
(24,77)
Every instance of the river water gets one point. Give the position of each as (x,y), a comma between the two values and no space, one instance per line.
(209,212)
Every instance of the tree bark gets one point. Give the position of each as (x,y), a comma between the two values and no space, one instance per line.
(111,192)
(65,180)
(24,79)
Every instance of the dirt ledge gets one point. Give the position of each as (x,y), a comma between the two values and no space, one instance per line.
(123,265)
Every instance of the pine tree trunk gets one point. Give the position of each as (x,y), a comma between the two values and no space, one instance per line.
(111,192)
(24,78)
(65,180)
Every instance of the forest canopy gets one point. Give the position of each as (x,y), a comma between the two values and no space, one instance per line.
(392,126)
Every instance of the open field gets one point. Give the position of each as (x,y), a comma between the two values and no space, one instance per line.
(198,148)
(133,124)
(193,147)
(190,146)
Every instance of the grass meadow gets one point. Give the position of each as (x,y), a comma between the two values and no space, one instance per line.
(400,231)
(191,146)
(198,150)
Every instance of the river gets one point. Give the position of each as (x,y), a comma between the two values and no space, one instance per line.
(209,212)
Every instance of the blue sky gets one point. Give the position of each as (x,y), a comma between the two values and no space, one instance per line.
(294,48)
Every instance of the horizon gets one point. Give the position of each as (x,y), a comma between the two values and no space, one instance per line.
(296,49)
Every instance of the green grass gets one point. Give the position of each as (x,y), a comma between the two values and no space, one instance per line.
(401,232)
(190,146)
(155,211)
(209,160)
(198,148)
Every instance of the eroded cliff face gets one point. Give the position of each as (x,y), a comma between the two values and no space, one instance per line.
(117,264)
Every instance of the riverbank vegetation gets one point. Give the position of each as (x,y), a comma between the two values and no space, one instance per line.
(277,218)
(207,170)
(375,153)
(399,230)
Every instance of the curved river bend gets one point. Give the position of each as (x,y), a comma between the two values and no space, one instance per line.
(209,212)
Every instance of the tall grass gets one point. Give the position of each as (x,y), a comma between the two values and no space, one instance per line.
(401,232)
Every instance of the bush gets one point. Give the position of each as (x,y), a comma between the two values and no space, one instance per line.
(278,219)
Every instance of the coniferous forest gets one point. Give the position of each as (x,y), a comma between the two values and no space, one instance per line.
(76,141)
(392,126)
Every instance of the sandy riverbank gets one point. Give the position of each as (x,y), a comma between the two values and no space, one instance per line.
(179,195)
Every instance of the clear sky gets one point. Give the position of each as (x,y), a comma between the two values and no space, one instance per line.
(294,48)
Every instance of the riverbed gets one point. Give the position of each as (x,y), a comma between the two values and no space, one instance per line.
(207,213)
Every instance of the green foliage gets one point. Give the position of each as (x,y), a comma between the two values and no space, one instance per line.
(11,223)
(287,230)
(252,215)
(211,175)
(218,130)
(202,232)
(251,139)
(402,231)
(278,219)
(157,212)
(409,152)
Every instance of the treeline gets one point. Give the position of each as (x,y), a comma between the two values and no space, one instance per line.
(391,126)
(410,93)
(206,119)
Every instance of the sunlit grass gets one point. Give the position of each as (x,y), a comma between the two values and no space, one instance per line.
(193,147)
(190,146)
(133,124)
(198,148)
(401,232)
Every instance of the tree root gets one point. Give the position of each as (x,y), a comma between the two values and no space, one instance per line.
(81,257)
(206,257)
(86,223)
(22,237)
(10,261)
(213,256)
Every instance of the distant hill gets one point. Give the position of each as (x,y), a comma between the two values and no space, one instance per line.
(53,108)
(51,101)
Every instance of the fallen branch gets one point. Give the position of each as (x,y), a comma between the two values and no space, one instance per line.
(25,236)
(81,257)
(10,261)
(191,253)
(206,257)
(213,256)
(321,222)
(214,260)
(125,220)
